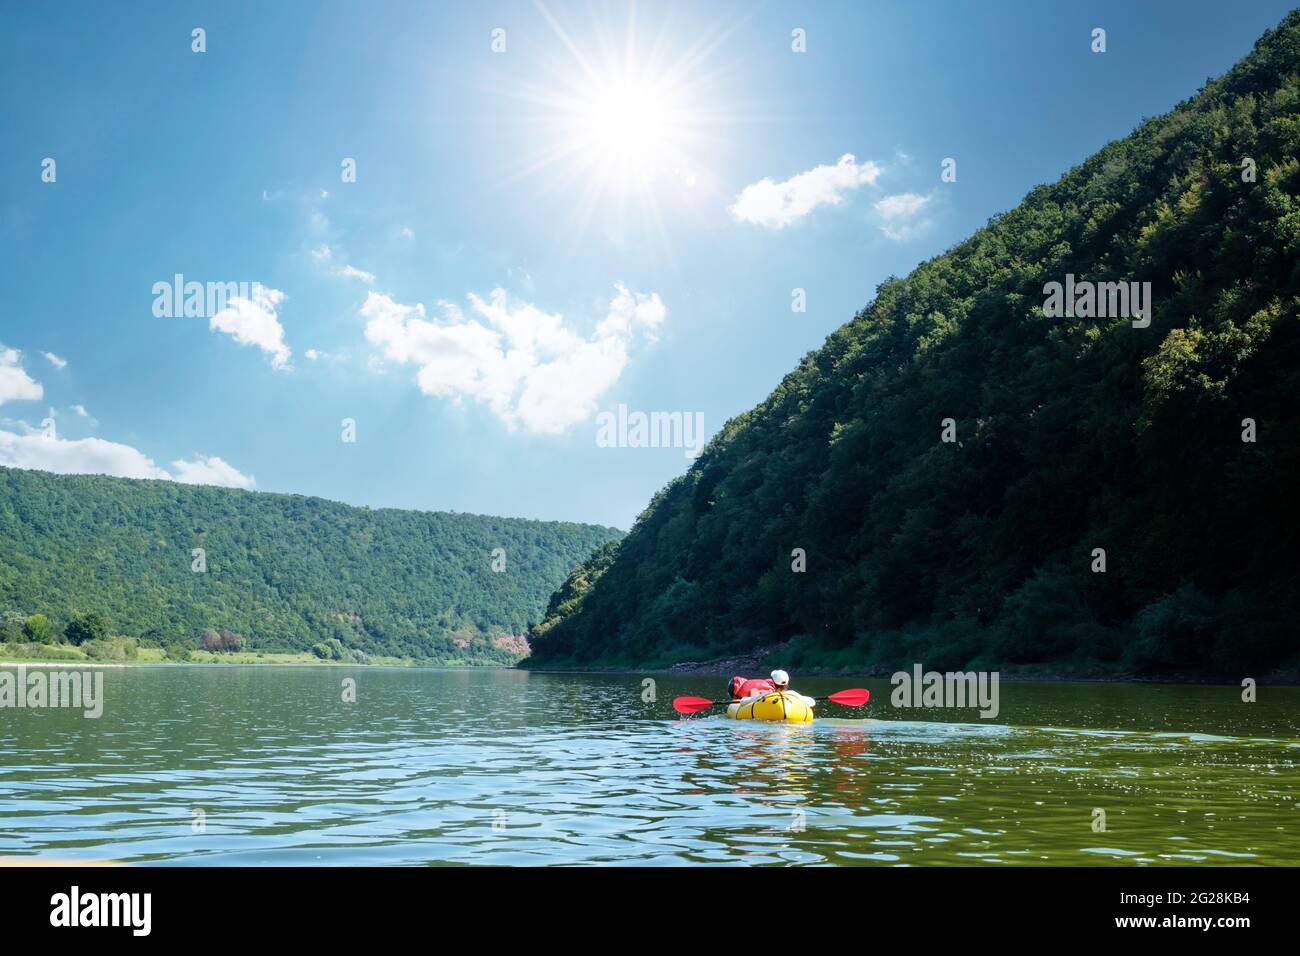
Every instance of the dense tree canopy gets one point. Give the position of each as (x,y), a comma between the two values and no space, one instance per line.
(85,626)
(281,572)
(1072,434)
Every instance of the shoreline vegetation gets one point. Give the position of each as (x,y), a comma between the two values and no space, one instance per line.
(16,656)
(762,660)
(1276,679)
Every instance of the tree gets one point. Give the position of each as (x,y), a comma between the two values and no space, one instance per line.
(231,642)
(11,627)
(87,626)
(37,628)
(176,652)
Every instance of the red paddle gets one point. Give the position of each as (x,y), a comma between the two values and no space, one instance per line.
(854,697)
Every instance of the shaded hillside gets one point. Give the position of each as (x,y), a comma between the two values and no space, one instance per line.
(1072,434)
(284,571)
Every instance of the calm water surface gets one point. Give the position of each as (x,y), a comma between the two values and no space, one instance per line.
(505,767)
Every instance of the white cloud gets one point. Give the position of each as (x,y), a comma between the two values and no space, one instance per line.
(406,232)
(15,384)
(94,456)
(313,355)
(777,205)
(55,360)
(524,364)
(211,470)
(80,456)
(81,411)
(899,211)
(322,253)
(349,272)
(254,322)
(901,206)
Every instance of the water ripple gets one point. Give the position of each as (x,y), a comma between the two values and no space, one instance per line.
(243,766)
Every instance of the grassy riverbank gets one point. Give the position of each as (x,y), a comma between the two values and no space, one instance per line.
(11,654)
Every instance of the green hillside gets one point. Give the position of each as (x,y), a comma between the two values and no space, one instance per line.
(1072,434)
(285,572)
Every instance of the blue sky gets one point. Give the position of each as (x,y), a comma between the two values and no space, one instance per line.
(646,186)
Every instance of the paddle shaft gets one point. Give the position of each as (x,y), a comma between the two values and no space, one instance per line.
(737,700)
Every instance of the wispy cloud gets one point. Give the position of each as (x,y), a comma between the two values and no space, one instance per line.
(351,272)
(777,205)
(55,360)
(901,206)
(526,365)
(255,322)
(324,256)
(327,358)
(900,212)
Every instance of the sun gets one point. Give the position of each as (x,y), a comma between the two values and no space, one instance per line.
(620,130)
(630,131)
(626,124)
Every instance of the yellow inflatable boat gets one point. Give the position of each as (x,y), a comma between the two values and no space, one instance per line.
(781,705)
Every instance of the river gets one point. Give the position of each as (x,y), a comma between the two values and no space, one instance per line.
(252,765)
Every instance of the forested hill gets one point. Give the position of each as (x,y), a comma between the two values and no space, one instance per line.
(1072,434)
(285,572)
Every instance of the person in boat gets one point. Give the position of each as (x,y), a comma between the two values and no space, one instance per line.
(779,682)
(739,687)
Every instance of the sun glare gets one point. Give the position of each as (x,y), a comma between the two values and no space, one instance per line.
(629,131)
(620,129)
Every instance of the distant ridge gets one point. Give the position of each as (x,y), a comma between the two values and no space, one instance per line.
(284,571)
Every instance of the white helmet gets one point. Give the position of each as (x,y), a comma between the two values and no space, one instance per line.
(780,678)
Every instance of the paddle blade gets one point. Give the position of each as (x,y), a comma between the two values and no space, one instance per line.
(689,705)
(854,697)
